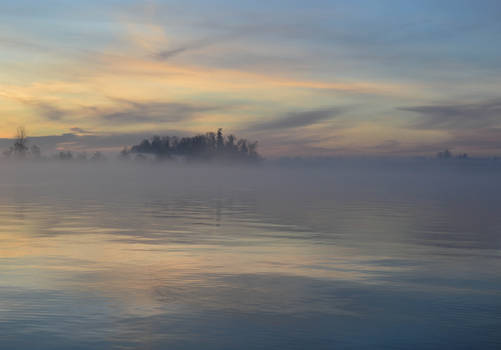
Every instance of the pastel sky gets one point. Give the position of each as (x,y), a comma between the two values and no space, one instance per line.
(365,77)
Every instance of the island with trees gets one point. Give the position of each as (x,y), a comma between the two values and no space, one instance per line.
(203,147)
(208,147)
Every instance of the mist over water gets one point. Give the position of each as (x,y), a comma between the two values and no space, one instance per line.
(357,255)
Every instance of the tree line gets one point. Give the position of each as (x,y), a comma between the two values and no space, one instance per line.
(21,150)
(20,147)
(446,154)
(202,147)
(208,146)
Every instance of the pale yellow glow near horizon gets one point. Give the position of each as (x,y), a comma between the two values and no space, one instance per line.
(84,88)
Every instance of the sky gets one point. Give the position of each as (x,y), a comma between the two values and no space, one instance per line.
(304,78)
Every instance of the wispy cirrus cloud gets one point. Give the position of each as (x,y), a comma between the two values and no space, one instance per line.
(115,111)
(78,130)
(457,116)
(111,67)
(192,45)
(44,108)
(298,119)
(49,111)
(487,139)
(19,43)
(128,111)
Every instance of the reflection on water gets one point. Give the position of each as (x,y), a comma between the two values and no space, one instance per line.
(132,258)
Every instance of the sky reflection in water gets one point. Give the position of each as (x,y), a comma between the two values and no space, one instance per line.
(349,257)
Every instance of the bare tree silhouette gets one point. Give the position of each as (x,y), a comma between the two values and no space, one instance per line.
(20,147)
(21,141)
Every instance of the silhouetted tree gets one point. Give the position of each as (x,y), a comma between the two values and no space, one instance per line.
(444,154)
(65,155)
(220,139)
(206,146)
(21,141)
(211,141)
(231,147)
(20,147)
(253,150)
(242,146)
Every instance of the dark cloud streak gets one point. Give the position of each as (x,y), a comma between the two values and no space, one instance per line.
(167,54)
(459,116)
(50,111)
(153,112)
(125,112)
(298,119)
(193,45)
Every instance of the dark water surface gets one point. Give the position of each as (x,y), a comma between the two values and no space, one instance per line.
(352,257)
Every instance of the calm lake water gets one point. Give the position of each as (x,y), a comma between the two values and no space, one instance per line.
(381,256)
